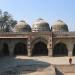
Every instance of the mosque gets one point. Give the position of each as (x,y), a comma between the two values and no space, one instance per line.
(40,40)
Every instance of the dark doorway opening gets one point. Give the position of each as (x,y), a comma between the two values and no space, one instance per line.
(20,49)
(5,49)
(73,50)
(60,49)
(40,49)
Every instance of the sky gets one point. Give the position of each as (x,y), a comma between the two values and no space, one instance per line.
(49,10)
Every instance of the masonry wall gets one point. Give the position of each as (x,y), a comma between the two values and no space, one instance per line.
(30,39)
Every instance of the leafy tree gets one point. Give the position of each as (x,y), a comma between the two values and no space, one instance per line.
(6,22)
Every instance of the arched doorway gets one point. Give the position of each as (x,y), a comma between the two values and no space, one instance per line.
(5,49)
(73,53)
(60,49)
(40,48)
(20,49)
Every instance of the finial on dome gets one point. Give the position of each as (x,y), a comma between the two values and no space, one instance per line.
(59,20)
(40,18)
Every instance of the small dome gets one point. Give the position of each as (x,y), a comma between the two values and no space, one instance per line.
(22,26)
(40,25)
(59,26)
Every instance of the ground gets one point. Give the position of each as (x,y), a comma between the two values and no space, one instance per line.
(39,65)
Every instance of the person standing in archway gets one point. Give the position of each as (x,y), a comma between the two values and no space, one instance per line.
(70,60)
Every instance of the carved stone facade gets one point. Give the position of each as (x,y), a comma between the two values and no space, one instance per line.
(28,40)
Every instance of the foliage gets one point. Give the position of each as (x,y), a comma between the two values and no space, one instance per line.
(6,21)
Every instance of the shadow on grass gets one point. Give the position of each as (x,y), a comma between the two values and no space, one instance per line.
(23,66)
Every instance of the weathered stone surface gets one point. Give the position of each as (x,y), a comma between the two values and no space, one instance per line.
(40,26)
(59,26)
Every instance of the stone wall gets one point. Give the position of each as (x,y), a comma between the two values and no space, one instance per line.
(31,38)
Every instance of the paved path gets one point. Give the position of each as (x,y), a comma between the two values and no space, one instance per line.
(51,60)
(7,63)
(70,74)
(24,65)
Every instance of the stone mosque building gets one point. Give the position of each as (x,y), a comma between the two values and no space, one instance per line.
(40,40)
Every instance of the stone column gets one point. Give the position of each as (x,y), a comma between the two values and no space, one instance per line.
(70,49)
(50,45)
(50,52)
(11,50)
(29,52)
(29,47)
(69,53)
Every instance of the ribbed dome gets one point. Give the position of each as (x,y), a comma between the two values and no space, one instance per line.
(59,26)
(40,25)
(22,26)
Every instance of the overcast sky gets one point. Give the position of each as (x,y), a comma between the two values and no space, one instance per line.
(50,10)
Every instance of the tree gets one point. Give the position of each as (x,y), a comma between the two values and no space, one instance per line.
(6,22)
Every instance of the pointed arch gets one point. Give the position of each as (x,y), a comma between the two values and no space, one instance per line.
(40,48)
(5,49)
(60,49)
(20,49)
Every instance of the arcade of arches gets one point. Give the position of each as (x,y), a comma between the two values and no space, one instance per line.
(39,49)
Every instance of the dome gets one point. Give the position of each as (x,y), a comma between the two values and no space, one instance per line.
(40,25)
(22,26)
(59,26)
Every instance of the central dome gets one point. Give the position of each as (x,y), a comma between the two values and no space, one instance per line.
(59,25)
(22,26)
(40,25)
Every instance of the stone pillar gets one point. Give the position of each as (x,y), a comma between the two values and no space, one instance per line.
(29,47)
(69,53)
(29,52)
(50,45)
(70,49)
(11,50)
(50,52)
